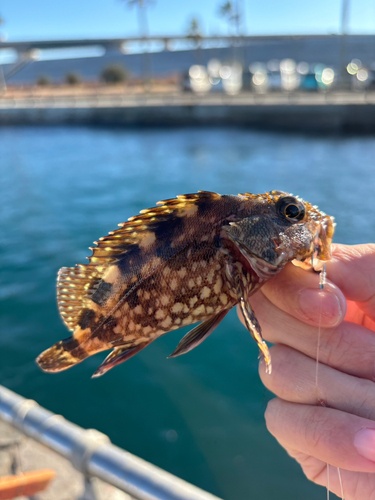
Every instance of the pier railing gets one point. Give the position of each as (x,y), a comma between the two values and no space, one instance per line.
(92,453)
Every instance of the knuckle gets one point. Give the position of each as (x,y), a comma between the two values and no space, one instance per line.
(365,392)
(344,350)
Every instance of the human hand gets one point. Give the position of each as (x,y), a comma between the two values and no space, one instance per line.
(331,418)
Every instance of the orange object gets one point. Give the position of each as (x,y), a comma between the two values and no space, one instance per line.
(26,484)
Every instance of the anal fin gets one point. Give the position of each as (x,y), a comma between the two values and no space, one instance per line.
(198,334)
(117,356)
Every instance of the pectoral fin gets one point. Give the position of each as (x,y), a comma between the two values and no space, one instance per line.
(254,328)
(198,335)
(117,356)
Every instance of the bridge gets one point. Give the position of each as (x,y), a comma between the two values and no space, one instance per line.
(167,41)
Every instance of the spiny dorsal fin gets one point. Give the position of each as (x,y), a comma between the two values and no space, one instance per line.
(137,228)
(76,285)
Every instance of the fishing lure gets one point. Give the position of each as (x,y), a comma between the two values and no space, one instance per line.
(190,259)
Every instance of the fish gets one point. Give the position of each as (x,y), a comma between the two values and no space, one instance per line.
(188,260)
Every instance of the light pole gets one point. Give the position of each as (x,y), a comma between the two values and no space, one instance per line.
(343,41)
(3,83)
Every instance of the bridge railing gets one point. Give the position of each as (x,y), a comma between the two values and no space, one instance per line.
(92,453)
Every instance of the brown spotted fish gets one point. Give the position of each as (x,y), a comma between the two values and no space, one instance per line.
(190,259)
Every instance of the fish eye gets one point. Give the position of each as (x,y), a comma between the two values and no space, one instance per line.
(290,208)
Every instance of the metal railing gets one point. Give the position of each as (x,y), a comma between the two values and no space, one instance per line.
(92,453)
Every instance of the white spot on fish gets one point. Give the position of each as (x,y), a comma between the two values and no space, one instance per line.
(205,293)
(187,321)
(193,301)
(199,310)
(182,272)
(176,308)
(210,276)
(173,284)
(112,275)
(148,239)
(167,322)
(218,285)
(223,299)
(188,210)
(164,299)
(160,314)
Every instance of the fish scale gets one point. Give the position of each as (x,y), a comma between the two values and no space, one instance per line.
(189,259)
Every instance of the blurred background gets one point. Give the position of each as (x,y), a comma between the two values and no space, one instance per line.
(108,107)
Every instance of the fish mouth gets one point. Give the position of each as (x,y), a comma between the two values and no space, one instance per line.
(322,243)
(321,246)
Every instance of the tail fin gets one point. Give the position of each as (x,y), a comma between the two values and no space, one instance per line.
(61,356)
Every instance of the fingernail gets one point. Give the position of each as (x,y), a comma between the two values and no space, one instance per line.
(320,306)
(364,441)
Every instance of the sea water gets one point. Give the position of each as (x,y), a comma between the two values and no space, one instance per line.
(199,416)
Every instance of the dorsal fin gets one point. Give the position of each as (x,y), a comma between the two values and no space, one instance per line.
(137,228)
(76,285)
(73,290)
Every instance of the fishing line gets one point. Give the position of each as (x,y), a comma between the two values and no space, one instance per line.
(340,481)
(322,282)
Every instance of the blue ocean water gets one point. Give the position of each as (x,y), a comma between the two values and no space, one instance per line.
(199,416)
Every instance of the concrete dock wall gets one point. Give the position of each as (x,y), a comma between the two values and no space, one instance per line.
(319,112)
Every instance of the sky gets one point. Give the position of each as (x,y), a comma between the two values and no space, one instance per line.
(46,19)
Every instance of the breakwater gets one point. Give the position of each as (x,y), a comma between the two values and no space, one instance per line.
(346,111)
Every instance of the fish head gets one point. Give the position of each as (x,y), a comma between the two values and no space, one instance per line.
(279,228)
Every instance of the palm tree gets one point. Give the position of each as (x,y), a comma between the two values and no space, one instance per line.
(142,15)
(144,32)
(232,15)
(194,29)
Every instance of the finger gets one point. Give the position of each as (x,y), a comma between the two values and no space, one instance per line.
(332,436)
(345,484)
(296,291)
(352,269)
(347,347)
(296,378)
